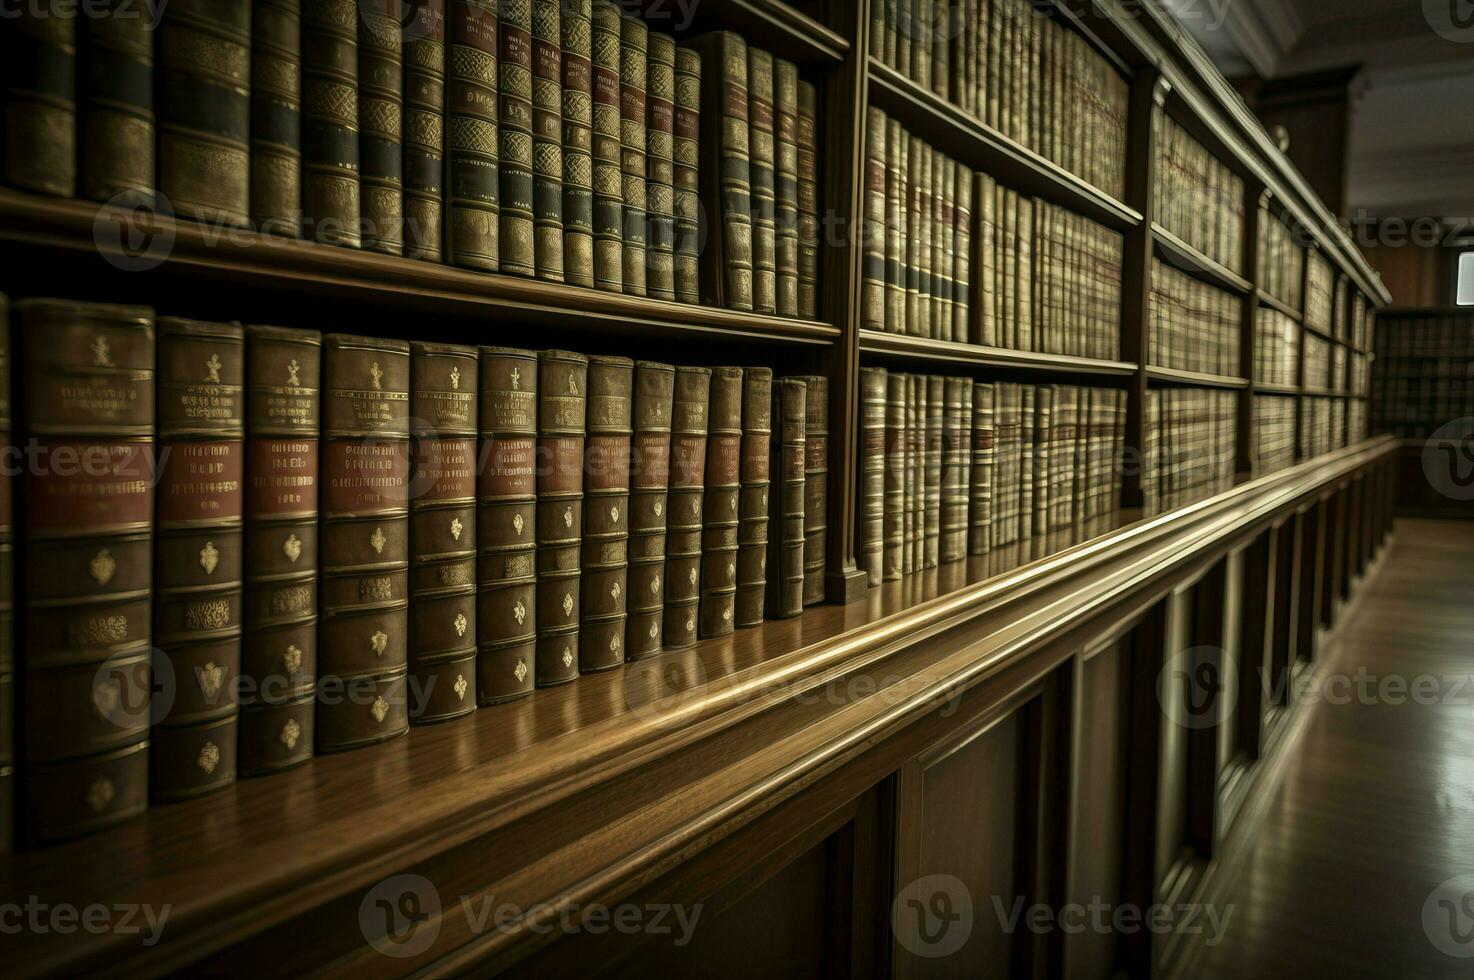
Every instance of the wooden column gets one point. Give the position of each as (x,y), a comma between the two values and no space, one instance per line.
(1312,581)
(1256,641)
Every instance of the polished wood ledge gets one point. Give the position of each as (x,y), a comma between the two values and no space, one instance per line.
(590,792)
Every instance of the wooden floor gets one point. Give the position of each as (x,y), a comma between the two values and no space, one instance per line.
(1376,807)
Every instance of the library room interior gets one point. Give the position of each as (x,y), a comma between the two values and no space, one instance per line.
(737,488)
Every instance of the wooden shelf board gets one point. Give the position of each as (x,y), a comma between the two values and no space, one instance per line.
(1274,302)
(941,352)
(1180,255)
(1265,388)
(961,136)
(773,25)
(1196,379)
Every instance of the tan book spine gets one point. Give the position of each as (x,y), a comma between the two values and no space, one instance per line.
(515,139)
(873,386)
(687,155)
(660,279)
(808,202)
(634,40)
(760,135)
(547,139)
(606,519)
(786,506)
(753,530)
(472,163)
(684,516)
(726,271)
(578,143)
(894,522)
(716,610)
(816,485)
(562,419)
(650,460)
(785,183)
(608,179)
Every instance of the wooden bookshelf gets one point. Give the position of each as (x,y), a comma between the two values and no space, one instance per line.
(1195,379)
(1275,303)
(1180,255)
(924,351)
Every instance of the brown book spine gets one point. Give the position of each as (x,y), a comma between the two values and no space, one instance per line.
(578,143)
(660,165)
(279,617)
(562,388)
(118,106)
(514,122)
(725,179)
(472,163)
(816,485)
(786,507)
(506,526)
(7,600)
(198,544)
(752,507)
(442,532)
(547,139)
(330,183)
(424,130)
(649,487)
(894,524)
(608,178)
(717,607)
(634,38)
(363,633)
(87,608)
(785,182)
(276,119)
(686,152)
(684,510)
(604,592)
(808,202)
(380,125)
(873,385)
(760,149)
(40,145)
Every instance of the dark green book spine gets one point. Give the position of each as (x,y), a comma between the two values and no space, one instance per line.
(276,117)
(726,275)
(518,254)
(760,148)
(578,136)
(686,148)
(808,202)
(118,107)
(39,53)
(380,125)
(330,189)
(607,177)
(424,131)
(547,139)
(473,178)
(634,38)
(660,164)
(785,183)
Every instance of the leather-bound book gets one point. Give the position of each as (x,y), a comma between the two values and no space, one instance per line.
(7,600)
(442,531)
(330,146)
(197,555)
(547,139)
(424,130)
(873,385)
(276,117)
(752,505)
(634,38)
(686,151)
(380,125)
(726,273)
(608,176)
(604,590)
(87,590)
(785,182)
(956,467)
(578,143)
(562,409)
(40,76)
(931,472)
(909,474)
(506,526)
(649,486)
(118,106)
(760,151)
(203,85)
(895,227)
(364,542)
(816,485)
(720,517)
(894,523)
(514,126)
(872,277)
(962,254)
(808,202)
(786,506)
(279,645)
(660,119)
(473,177)
(684,515)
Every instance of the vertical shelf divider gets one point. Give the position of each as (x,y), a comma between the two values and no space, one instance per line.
(1245,443)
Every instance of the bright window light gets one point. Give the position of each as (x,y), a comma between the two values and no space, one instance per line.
(1465,294)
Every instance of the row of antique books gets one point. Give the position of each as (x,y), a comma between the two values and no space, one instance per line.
(1324,426)
(1320,293)
(1274,433)
(1276,348)
(1281,261)
(548,138)
(1425,373)
(1018,69)
(1317,357)
(951,467)
(244,545)
(1192,326)
(1195,196)
(1190,446)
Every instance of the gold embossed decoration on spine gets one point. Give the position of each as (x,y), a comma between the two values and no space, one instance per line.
(578,122)
(684,509)
(330,172)
(808,202)
(894,529)
(276,116)
(506,526)
(649,485)
(752,533)
(514,126)
(204,89)
(363,633)
(717,608)
(88,552)
(872,472)
(279,650)
(442,532)
(118,106)
(7,600)
(380,125)
(608,179)
(786,505)
(634,37)
(547,139)
(686,150)
(39,143)
(726,270)
(604,589)
(197,556)
(424,130)
(785,182)
(562,408)
(816,485)
(760,136)
(473,176)
(660,167)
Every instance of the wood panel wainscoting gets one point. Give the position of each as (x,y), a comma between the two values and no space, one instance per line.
(1098,726)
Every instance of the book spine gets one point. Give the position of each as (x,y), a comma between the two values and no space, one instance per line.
(364,543)
(760,150)
(608,154)
(40,78)
(87,535)
(650,454)
(547,138)
(660,161)
(506,526)
(957,469)
(424,131)
(785,183)
(872,276)
(330,182)
(816,485)
(982,480)
(726,275)
(684,508)
(873,389)
(720,515)
(912,222)
(932,470)
(786,507)
(606,514)
(634,39)
(276,117)
(962,255)
(808,201)
(686,150)
(197,556)
(7,600)
(562,387)
(442,531)
(894,530)
(118,107)
(578,143)
(380,126)
(915,446)
(204,111)
(752,506)
(279,616)
(473,174)
(514,130)
(895,228)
